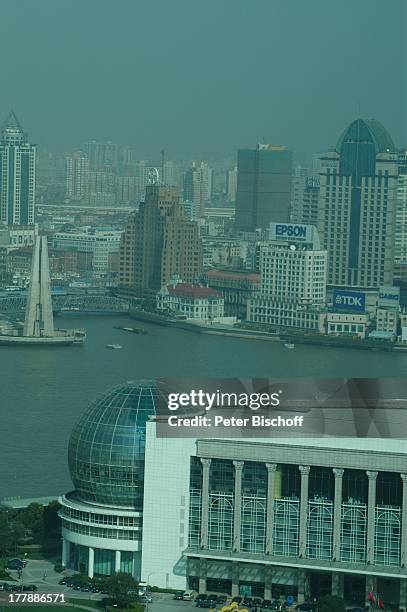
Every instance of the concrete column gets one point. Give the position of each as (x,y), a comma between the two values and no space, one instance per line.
(302,589)
(302,547)
(268,581)
(403,595)
(237,512)
(117,560)
(91,562)
(271,472)
(202,575)
(403,550)
(371,509)
(66,549)
(336,543)
(235,579)
(206,464)
(337,584)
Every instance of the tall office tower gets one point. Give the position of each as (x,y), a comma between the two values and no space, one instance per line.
(126,190)
(400,242)
(263,186)
(310,201)
(159,242)
(172,177)
(357,206)
(102,187)
(298,182)
(77,175)
(231,184)
(17,174)
(198,185)
(102,155)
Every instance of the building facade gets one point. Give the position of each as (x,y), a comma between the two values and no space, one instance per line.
(102,517)
(193,301)
(17,174)
(158,243)
(265,518)
(236,288)
(357,206)
(293,279)
(263,187)
(100,243)
(77,175)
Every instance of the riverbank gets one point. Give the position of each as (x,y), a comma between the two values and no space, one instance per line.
(253,334)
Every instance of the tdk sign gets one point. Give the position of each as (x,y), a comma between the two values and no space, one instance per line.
(291,231)
(353,301)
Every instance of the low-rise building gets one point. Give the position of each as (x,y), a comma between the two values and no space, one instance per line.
(193,301)
(236,287)
(348,324)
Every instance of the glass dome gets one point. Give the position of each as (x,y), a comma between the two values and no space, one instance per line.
(106,447)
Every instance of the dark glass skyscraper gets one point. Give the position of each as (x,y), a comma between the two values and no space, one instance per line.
(263,186)
(17,174)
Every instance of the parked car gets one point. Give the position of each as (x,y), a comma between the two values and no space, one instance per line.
(179,595)
(146,598)
(189,595)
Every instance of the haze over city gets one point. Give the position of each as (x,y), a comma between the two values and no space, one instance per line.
(202,79)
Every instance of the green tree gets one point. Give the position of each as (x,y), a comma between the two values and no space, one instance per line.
(122,588)
(331,603)
(52,522)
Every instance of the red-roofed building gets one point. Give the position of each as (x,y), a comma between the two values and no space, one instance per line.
(193,301)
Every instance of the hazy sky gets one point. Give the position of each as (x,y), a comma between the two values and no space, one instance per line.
(202,77)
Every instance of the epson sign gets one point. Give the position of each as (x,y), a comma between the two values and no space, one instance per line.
(349,300)
(291,231)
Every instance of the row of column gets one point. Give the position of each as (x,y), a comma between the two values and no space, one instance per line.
(305,470)
(91,558)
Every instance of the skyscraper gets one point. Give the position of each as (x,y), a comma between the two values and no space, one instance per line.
(231,184)
(263,186)
(357,203)
(17,174)
(77,175)
(198,186)
(400,252)
(102,155)
(159,242)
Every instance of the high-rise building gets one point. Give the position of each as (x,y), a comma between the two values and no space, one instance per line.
(159,242)
(263,186)
(293,279)
(198,186)
(400,242)
(102,155)
(102,187)
(231,184)
(17,174)
(77,175)
(357,206)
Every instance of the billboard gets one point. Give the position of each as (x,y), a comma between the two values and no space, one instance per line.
(348,301)
(389,297)
(295,232)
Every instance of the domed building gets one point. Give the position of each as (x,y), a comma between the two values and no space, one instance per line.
(102,517)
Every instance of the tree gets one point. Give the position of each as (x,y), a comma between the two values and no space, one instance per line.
(122,588)
(331,603)
(52,522)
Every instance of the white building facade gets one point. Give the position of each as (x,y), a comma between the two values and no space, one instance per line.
(101,243)
(275,518)
(293,272)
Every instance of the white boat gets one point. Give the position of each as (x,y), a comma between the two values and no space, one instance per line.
(114,346)
(289,345)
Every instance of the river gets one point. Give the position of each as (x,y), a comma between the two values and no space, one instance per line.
(44,390)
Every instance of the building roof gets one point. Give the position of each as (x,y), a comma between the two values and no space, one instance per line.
(195,292)
(234,275)
(367,130)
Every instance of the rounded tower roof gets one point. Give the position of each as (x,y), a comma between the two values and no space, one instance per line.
(368,131)
(107,445)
